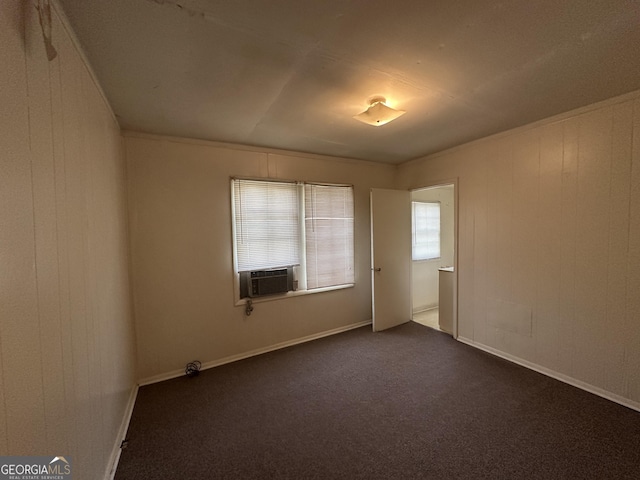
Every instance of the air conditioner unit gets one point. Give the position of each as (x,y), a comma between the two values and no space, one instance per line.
(257,283)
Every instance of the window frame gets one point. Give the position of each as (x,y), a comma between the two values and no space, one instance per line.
(413,230)
(302,287)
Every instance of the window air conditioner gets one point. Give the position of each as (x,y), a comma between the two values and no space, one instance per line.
(258,283)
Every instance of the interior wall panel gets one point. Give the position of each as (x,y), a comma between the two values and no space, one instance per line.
(594,143)
(524,220)
(477,257)
(466,226)
(75,178)
(548,300)
(23,394)
(568,208)
(93,148)
(480,250)
(45,215)
(4,439)
(67,340)
(632,327)
(62,232)
(618,246)
(9,17)
(493,202)
(561,209)
(503,237)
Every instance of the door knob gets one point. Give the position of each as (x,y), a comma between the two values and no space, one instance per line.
(376,269)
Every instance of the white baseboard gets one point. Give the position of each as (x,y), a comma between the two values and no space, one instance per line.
(234,358)
(115,454)
(553,374)
(122,433)
(424,308)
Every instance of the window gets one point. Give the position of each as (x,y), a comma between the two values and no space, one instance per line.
(328,224)
(267,224)
(309,226)
(425,230)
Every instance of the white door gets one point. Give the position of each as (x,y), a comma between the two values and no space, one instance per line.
(390,257)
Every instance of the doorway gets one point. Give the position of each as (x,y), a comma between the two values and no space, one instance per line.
(433,256)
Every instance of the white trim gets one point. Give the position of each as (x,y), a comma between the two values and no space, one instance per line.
(252,353)
(561,117)
(256,149)
(424,308)
(114,458)
(553,374)
(295,293)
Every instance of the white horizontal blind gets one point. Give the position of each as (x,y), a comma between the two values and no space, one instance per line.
(267,228)
(425,230)
(329,235)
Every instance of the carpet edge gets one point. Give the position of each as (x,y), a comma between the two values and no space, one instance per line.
(625,402)
(252,353)
(114,458)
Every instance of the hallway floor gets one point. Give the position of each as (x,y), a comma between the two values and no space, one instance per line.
(428,318)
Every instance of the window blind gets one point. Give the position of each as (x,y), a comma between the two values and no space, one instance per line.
(425,230)
(267,227)
(329,235)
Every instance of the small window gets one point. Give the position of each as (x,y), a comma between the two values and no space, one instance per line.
(305,225)
(425,230)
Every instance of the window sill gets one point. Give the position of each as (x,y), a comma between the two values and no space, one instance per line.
(296,293)
(427,260)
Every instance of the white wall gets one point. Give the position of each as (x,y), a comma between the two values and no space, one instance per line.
(549,243)
(181,243)
(66,333)
(425,272)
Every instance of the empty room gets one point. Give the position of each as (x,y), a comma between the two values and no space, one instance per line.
(319,239)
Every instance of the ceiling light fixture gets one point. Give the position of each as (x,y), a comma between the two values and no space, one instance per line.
(378,113)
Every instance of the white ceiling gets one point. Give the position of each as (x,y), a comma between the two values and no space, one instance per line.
(290,74)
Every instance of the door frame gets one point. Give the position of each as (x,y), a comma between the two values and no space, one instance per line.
(456,218)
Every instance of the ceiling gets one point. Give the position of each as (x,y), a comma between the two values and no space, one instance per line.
(291,74)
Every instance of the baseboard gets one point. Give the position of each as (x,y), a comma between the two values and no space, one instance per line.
(122,433)
(424,308)
(553,374)
(234,358)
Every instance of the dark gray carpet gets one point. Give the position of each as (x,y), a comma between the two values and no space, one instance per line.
(407,403)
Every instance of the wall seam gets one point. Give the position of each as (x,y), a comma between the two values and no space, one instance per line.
(69,402)
(126,167)
(608,252)
(562,215)
(535,308)
(575,249)
(33,215)
(55,206)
